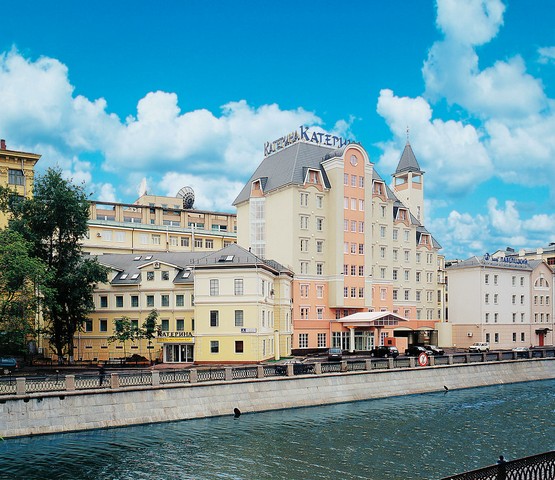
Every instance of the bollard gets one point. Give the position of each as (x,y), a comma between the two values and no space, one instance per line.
(114,380)
(70,382)
(318,368)
(260,371)
(228,374)
(20,386)
(155,378)
(193,375)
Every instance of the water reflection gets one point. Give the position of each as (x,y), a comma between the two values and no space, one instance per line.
(415,437)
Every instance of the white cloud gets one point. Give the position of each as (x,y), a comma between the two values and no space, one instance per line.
(472,22)
(449,152)
(546,54)
(505,220)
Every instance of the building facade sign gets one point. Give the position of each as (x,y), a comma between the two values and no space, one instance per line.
(305,135)
(172,337)
(505,260)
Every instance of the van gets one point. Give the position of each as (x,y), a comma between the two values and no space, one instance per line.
(479,347)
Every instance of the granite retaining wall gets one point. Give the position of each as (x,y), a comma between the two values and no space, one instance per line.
(43,413)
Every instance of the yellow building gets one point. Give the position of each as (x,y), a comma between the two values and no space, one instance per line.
(227,306)
(156,224)
(17,171)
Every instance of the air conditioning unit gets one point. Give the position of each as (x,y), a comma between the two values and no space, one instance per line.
(469,334)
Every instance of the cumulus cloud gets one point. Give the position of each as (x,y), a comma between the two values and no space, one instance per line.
(38,102)
(546,54)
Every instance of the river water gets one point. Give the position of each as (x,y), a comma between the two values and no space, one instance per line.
(425,436)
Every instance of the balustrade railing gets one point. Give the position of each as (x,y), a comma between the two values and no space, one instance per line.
(10,385)
(535,467)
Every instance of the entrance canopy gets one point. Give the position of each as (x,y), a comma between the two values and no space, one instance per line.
(371,319)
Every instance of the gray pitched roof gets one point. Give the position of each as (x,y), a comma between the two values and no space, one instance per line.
(476,261)
(286,167)
(408,162)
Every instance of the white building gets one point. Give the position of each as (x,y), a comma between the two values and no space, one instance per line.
(502,300)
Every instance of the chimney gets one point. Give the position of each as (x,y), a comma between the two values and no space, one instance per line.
(2,144)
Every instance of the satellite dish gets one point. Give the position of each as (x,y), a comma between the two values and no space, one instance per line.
(188,196)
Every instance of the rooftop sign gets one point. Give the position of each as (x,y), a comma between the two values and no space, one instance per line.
(505,260)
(304,135)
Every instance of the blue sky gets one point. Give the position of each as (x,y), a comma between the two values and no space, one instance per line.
(174,93)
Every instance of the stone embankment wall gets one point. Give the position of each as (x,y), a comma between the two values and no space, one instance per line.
(45,413)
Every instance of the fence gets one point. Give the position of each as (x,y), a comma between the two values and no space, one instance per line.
(535,467)
(58,383)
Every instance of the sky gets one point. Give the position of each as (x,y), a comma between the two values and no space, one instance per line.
(129,95)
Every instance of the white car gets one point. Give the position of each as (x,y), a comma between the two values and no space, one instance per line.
(479,347)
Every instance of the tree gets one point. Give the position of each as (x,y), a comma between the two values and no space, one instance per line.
(123,331)
(20,278)
(53,222)
(148,330)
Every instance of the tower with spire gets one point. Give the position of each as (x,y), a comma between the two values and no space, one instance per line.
(408,183)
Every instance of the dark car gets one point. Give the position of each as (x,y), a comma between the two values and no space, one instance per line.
(299,368)
(335,354)
(434,350)
(7,364)
(415,351)
(384,351)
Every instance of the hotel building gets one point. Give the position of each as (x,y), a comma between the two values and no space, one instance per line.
(17,172)
(504,300)
(317,205)
(227,306)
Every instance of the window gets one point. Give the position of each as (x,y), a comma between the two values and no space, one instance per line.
(304,245)
(353,203)
(487,337)
(103,325)
(304,199)
(239,318)
(150,300)
(395,234)
(353,226)
(514,317)
(522,337)
(184,241)
(407,255)
(495,317)
(395,254)
(418,276)
(88,326)
(522,299)
(345,179)
(361,248)
(395,294)
(304,313)
(319,269)
(135,301)
(319,201)
(119,301)
(486,298)
(514,281)
(345,269)
(319,291)
(522,281)
(319,313)
(383,293)
(304,267)
(361,182)
(214,287)
(382,272)
(360,227)
(239,347)
(180,300)
(320,224)
(495,279)
(198,242)
(496,337)
(209,243)
(304,291)
(321,340)
(150,276)
(407,275)
(165,275)
(486,279)
(361,205)
(165,326)
(495,298)
(487,317)
(165,300)
(513,299)
(238,286)
(345,292)
(382,252)
(214,346)
(395,273)
(418,294)
(16,177)
(407,293)
(303,340)
(214,318)
(103,301)
(304,222)
(319,246)
(155,239)
(361,270)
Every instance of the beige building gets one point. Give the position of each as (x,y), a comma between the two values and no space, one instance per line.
(317,205)
(227,306)
(17,172)
(504,300)
(157,224)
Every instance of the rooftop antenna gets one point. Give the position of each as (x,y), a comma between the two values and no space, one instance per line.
(408,134)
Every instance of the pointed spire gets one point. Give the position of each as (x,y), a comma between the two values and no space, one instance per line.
(408,162)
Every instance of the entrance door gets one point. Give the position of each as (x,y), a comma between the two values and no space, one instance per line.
(180,353)
(541,339)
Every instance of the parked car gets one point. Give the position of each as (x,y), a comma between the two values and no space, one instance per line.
(434,350)
(7,364)
(415,351)
(299,368)
(335,354)
(384,351)
(521,351)
(479,347)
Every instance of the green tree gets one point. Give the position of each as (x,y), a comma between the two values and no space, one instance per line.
(148,330)
(53,222)
(123,332)
(21,276)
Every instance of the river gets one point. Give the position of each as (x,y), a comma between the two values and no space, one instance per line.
(426,436)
